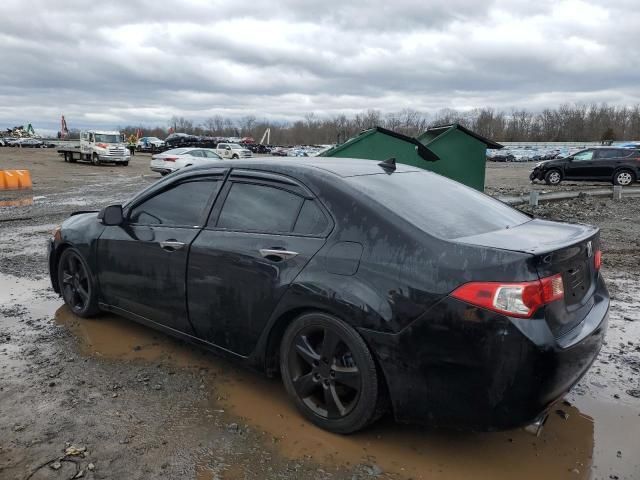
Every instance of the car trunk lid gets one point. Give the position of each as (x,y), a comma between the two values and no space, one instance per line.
(555,248)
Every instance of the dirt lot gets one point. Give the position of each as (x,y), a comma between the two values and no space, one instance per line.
(136,404)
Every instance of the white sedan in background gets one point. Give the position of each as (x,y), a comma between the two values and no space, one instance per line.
(172,160)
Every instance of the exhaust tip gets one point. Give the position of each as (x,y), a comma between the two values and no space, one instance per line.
(535,427)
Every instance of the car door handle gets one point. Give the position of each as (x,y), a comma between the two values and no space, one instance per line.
(277,254)
(172,245)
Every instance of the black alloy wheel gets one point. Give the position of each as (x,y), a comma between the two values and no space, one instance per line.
(76,284)
(329,372)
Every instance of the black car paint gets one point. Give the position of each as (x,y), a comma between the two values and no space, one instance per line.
(602,169)
(445,362)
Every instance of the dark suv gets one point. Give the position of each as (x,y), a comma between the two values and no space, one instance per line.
(618,165)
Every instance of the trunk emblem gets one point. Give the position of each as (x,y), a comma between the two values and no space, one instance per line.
(589,249)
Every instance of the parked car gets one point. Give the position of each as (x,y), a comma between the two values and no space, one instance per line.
(181,140)
(621,166)
(258,148)
(149,143)
(358,282)
(232,151)
(178,158)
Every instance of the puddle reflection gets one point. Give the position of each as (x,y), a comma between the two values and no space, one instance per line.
(563,450)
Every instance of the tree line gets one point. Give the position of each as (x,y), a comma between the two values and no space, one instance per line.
(567,123)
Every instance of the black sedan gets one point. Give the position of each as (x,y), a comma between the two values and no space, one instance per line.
(621,166)
(365,285)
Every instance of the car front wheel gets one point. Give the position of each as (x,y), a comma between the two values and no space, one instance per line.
(330,374)
(624,178)
(553,177)
(76,284)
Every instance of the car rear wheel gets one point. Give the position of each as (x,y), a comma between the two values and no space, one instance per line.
(623,178)
(76,284)
(330,374)
(553,177)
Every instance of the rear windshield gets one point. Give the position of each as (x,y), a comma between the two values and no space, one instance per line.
(437,205)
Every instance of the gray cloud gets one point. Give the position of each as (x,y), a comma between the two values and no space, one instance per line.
(125,62)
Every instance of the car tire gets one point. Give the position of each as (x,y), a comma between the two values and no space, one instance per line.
(95,159)
(77,285)
(553,177)
(336,386)
(624,178)
(235,157)
(125,164)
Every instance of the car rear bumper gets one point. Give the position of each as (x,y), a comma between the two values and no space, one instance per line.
(464,367)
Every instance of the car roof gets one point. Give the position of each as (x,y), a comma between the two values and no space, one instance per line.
(342,167)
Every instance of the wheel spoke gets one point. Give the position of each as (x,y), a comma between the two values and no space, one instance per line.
(333,403)
(305,385)
(71,264)
(82,292)
(66,278)
(347,376)
(76,299)
(305,350)
(329,345)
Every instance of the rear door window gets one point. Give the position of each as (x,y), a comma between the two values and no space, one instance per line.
(609,153)
(437,205)
(259,208)
(181,205)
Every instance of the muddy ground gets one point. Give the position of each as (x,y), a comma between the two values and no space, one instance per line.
(110,399)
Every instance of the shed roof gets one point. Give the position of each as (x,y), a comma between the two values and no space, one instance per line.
(422,150)
(435,131)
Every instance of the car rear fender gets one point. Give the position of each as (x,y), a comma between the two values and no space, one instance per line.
(347,298)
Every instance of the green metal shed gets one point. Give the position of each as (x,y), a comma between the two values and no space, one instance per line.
(460,153)
(463,153)
(381,144)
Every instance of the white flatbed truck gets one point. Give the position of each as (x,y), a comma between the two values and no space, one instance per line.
(98,146)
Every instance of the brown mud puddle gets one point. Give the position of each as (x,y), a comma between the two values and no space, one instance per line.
(564,449)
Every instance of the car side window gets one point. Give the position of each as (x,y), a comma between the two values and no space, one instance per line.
(603,154)
(311,220)
(196,153)
(210,154)
(259,208)
(183,204)
(583,156)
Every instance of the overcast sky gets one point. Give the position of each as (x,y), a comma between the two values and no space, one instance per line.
(128,62)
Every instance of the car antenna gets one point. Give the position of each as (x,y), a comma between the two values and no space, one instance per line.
(389,165)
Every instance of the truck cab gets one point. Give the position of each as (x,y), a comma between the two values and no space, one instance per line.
(100,146)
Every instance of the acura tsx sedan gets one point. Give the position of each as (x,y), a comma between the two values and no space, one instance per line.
(366,286)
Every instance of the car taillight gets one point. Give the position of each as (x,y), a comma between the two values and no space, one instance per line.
(518,299)
(597,259)
(170,159)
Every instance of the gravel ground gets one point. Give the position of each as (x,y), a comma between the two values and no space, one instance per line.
(135,403)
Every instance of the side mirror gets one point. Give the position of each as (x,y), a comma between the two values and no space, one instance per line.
(111,215)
